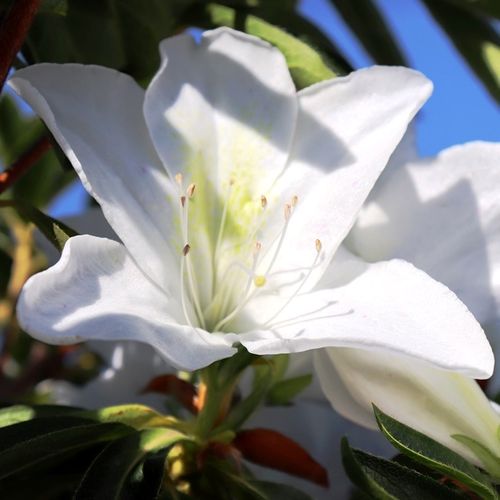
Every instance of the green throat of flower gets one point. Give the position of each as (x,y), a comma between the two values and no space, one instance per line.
(239,259)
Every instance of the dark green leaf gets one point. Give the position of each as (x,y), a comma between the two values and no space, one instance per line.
(25,451)
(485,7)
(368,24)
(490,461)
(147,480)
(21,413)
(306,65)
(119,459)
(383,480)
(434,455)
(475,38)
(283,392)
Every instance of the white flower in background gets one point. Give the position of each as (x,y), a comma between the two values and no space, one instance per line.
(441,214)
(241,241)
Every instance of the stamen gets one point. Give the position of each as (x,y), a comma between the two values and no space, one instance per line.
(190,190)
(185,251)
(295,200)
(302,283)
(222,222)
(263,201)
(183,201)
(178,178)
(287,211)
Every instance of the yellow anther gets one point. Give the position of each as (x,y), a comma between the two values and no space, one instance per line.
(295,200)
(178,178)
(263,201)
(259,281)
(186,249)
(318,245)
(190,190)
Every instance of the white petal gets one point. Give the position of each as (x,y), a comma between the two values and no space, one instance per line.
(443,215)
(95,114)
(224,108)
(436,402)
(347,130)
(392,306)
(96,291)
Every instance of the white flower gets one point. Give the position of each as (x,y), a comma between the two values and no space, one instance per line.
(442,214)
(239,247)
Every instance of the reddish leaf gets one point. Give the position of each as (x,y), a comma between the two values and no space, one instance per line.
(172,385)
(272,449)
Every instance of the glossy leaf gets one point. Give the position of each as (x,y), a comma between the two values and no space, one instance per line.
(25,451)
(369,26)
(21,413)
(490,461)
(385,480)
(434,455)
(119,459)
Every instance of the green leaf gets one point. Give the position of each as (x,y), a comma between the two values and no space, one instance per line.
(383,480)
(283,392)
(307,66)
(55,231)
(119,459)
(474,37)
(434,455)
(490,461)
(134,415)
(368,24)
(21,413)
(147,479)
(57,443)
(485,7)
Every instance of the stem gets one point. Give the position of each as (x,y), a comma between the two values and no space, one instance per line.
(13,31)
(23,164)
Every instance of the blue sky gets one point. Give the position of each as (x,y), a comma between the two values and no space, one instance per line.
(459,110)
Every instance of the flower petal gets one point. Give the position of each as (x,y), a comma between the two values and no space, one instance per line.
(392,306)
(226,106)
(436,402)
(347,129)
(441,214)
(96,291)
(95,114)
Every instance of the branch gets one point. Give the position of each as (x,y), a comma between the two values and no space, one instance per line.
(21,166)
(13,31)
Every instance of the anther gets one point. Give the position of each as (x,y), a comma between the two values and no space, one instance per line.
(257,247)
(287,211)
(318,245)
(186,249)
(190,190)
(263,201)
(183,201)
(259,281)
(295,200)
(178,178)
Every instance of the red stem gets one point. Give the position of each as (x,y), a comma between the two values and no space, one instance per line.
(13,31)
(21,166)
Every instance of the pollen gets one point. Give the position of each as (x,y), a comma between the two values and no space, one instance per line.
(259,281)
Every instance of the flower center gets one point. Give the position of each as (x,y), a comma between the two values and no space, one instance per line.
(240,266)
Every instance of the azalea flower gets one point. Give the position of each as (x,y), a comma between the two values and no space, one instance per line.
(441,214)
(231,194)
